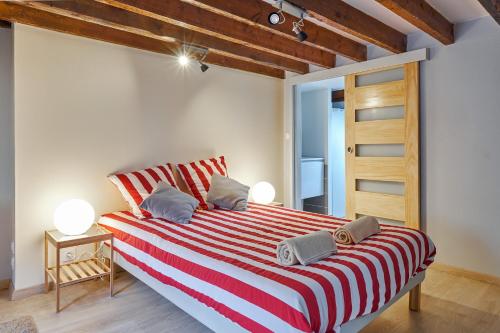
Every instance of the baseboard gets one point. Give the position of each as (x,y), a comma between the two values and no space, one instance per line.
(4,284)
(17,294)
(466,273)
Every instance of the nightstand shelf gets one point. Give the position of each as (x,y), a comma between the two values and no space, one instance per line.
(79,271)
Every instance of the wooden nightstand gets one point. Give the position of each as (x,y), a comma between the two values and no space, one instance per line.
(276,204)
(78,271)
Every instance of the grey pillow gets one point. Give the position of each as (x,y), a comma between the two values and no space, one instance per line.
(169,203)
(227,193)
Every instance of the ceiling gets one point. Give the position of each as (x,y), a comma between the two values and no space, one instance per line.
(236,33)
(456,11)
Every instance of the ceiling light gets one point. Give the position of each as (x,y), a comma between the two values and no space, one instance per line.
(203,67)
(302,36)
(193,53)
(297,29)
(183,60)
(274,18)
(278,17)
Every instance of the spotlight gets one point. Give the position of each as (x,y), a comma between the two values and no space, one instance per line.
(297,29)
(301,36)
(203,67)
(183,60)
(278,17)
(274,18)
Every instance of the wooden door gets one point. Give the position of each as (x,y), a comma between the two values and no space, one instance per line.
(382,143)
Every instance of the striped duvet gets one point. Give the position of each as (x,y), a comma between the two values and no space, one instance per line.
(226,261)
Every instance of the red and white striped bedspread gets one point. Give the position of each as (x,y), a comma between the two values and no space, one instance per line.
(226,260)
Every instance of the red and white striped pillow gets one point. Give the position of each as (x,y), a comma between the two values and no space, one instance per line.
(138,185)
(198,176)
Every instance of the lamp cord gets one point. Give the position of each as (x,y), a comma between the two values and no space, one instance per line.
(98,254)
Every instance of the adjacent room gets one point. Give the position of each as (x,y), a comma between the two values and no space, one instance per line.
(249,166)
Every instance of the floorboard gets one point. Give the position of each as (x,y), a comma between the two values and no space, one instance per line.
(449,304)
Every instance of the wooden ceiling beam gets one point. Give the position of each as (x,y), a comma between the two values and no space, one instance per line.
(341,15)
(5,24)
(257,12)
(492,7)
(338,96)
(201,20)
(423,16)
(102,14)
(19,13)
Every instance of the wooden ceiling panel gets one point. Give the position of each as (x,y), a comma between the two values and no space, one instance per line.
(257,12)
(235,33)
(19,13)
(423,16)
(493,7)
(121,19)
(199,19)
(341,15)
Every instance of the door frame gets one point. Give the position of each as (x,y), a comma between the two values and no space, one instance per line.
(292,129)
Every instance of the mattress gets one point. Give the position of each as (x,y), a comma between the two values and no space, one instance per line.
(224,262)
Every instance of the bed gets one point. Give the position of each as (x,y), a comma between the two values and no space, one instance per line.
(221,269)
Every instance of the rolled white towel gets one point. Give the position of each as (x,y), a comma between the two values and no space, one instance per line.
(306,249)
(357,230)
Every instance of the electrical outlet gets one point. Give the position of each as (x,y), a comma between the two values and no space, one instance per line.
(68,254)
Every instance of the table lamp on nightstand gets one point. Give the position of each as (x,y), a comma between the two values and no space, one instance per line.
(263,193)
(74,217)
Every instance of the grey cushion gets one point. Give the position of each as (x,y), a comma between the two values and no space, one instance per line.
(227,193)
(169,203)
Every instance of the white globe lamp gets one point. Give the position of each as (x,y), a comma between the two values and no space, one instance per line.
(74,217)
(263,193)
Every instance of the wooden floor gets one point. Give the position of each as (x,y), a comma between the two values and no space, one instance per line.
(449,304)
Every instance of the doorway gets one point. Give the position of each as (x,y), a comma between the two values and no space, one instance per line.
(321,146)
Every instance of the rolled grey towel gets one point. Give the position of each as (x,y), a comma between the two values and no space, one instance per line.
(306,249)
(357,230)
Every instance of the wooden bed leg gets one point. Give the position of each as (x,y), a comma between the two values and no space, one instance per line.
(415,298)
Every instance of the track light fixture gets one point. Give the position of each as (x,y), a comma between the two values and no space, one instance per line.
(203,67)
(183,60)
(278,17)
(193,52)
(297,29)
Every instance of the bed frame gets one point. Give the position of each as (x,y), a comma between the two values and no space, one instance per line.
(357,324)
(219,323)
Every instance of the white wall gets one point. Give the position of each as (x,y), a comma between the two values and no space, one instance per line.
(461,146)
(6,152)
(314,126)
(85,109)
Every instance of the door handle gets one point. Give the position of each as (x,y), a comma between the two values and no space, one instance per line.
(350,150)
